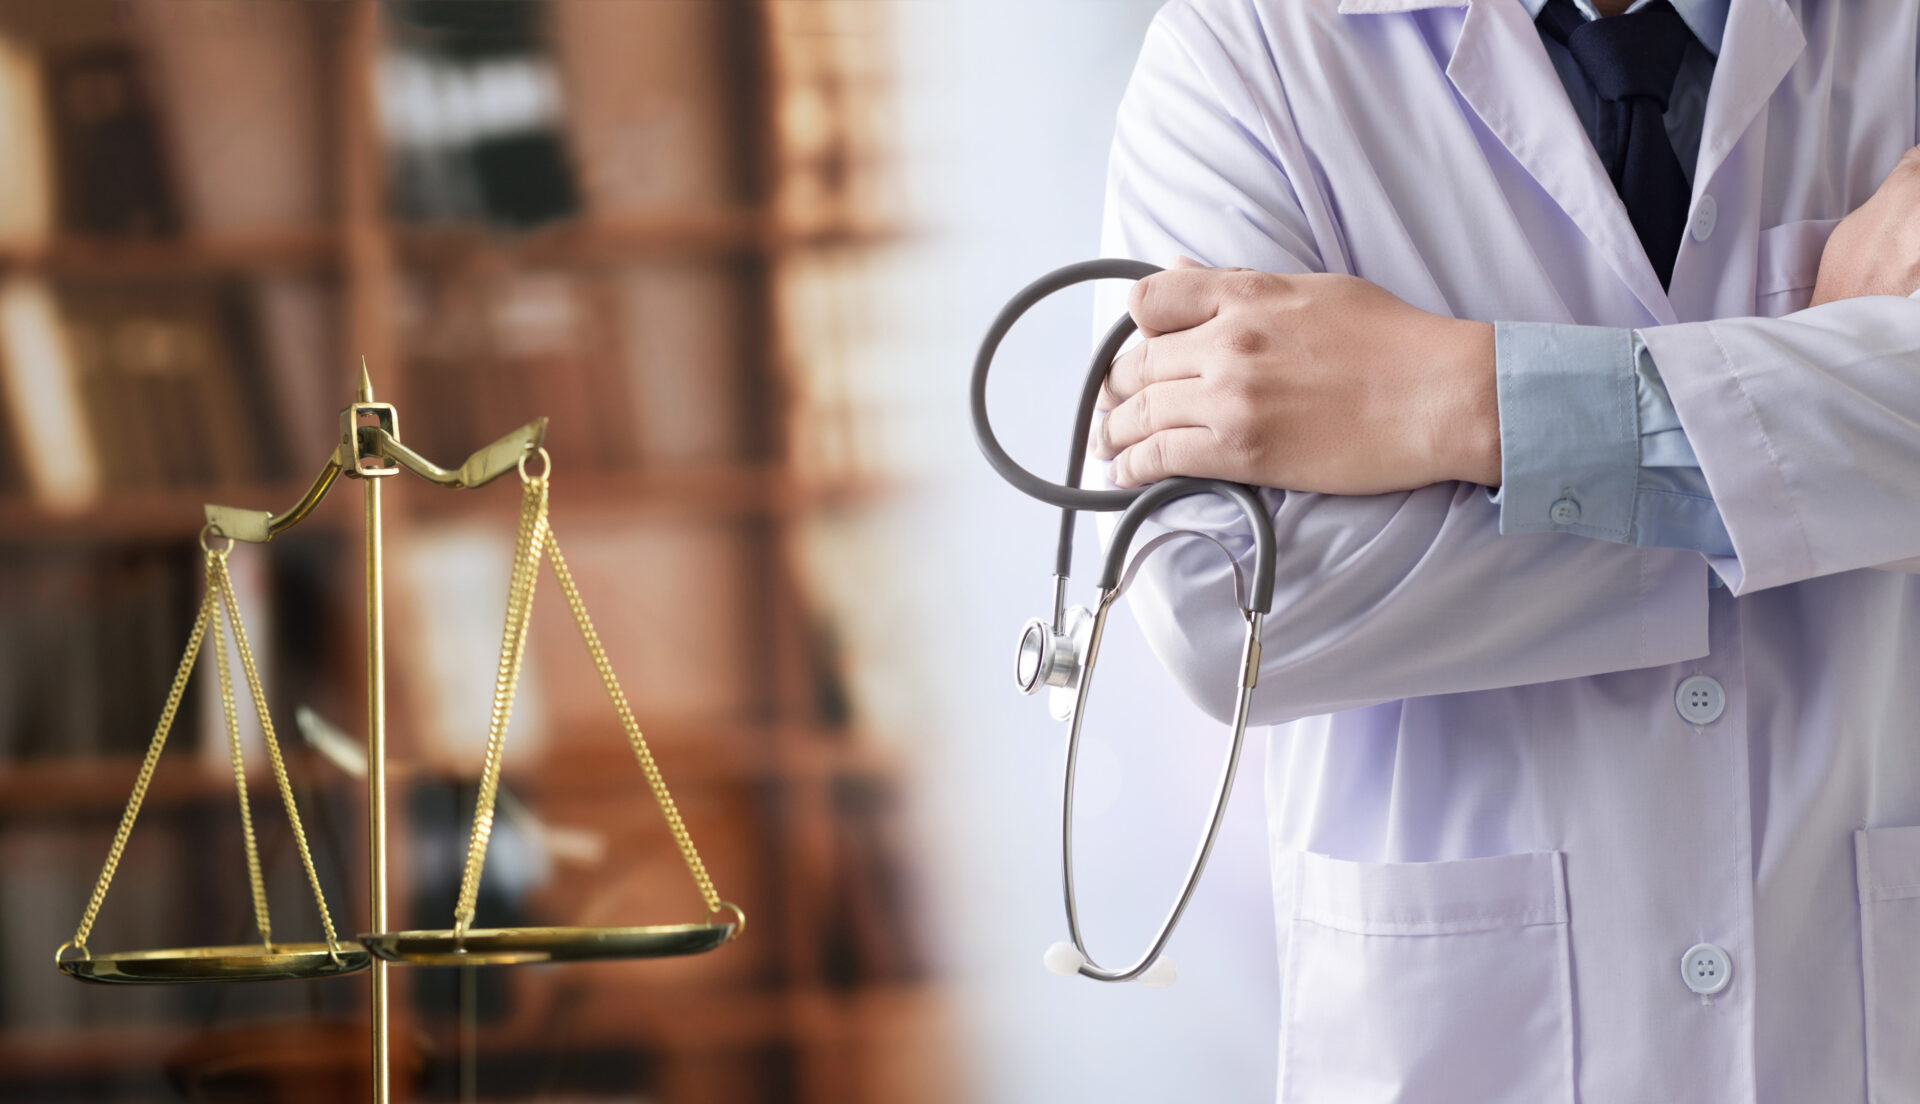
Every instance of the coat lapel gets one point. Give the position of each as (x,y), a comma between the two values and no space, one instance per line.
(1715,278)
(1763,40)
(1502,71)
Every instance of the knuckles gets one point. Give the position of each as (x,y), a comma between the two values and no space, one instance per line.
(1239,337)
(1142,463)
(1138,414)
(1243,285)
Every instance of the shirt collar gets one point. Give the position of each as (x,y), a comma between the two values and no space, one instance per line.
(1707,19)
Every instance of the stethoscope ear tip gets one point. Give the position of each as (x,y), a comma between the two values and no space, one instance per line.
(1064,959)
(1161,974)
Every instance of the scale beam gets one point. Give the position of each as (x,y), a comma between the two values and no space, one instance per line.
(377,443)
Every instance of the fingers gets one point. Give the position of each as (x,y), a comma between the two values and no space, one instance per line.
(1158,359)
(1186,451)
(1176,299)
(1175,404)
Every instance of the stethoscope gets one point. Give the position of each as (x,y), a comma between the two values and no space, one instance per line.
(1060,654)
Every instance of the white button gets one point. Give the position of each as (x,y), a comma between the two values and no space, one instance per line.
(1706,969)
(1565,511)
(1705,214)
(1700,700)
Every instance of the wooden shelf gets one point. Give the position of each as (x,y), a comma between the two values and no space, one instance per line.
(288,249)
(716,490)
(42,1053)
(718,232)
(102,784)
(690,754)
(169,514)
(635,1018)
(704,754)
(670,235)
(725,490)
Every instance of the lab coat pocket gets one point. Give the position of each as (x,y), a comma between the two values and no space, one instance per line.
(1428,983)
(1887,863)
(1789,265)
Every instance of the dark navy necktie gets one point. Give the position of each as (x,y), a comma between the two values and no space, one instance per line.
(1631,60)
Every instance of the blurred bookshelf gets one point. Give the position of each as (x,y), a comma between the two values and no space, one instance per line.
(627,216)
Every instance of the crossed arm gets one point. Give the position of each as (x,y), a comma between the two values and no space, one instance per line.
(1331,384)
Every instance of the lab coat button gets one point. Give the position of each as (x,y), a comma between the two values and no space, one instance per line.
(1706,969)
(1700,700)
(1564,511)
(1705,214)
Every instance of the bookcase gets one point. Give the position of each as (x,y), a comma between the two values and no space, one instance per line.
(631,216)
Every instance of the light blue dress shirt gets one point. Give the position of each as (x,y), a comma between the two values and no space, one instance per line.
(1583,406)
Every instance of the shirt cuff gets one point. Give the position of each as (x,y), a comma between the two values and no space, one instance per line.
(1569,429)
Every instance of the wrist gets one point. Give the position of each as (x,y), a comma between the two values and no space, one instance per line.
(1467,425)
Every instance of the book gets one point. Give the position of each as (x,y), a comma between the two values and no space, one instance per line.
(44,881)
(869,932)
(471,106)
(449,604)
(682,333)
(244,92)
(650,106)
(109,158)
(834,130)
(95,637)
(50,429)
(174,389)
(493,352)
(305,370)
(26,188)
(668,602)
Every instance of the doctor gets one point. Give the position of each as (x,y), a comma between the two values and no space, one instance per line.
(1595,652)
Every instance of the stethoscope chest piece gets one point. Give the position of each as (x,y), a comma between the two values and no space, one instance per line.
(1054,659)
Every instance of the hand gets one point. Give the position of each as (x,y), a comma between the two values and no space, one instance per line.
(1876,250)
(1310,383)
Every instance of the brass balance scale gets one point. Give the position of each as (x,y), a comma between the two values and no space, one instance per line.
(369,450)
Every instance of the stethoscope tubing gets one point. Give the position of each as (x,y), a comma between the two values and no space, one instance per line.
(1134,507)
(1197,867)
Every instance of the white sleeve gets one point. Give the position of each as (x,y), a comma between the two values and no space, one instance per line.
(1807,429)
(1377,598)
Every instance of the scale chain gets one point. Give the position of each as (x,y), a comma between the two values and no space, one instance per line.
(145,776)
(681,837)
(216,573)
(536,536)
(513,642)
(273,756)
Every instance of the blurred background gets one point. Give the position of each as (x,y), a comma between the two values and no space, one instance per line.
(738,251)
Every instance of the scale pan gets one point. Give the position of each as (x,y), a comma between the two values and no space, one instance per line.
(521,946)
(244,962)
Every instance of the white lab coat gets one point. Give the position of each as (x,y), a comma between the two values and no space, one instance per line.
(1493,833)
